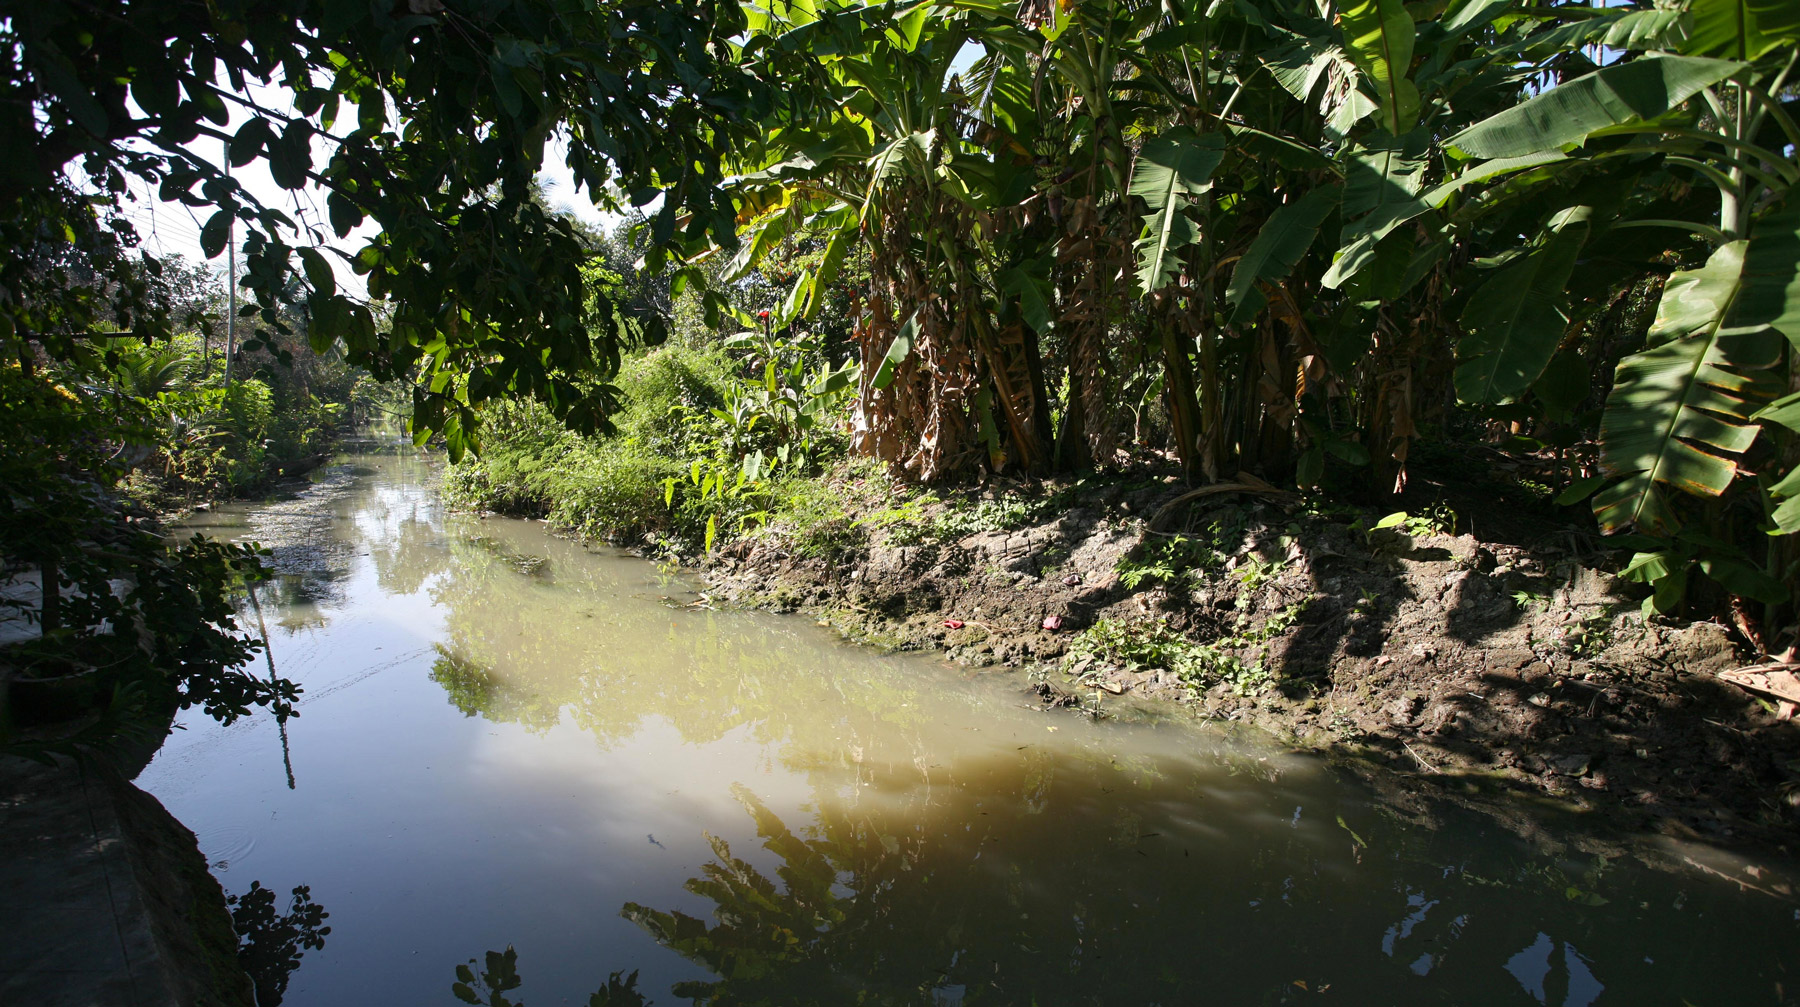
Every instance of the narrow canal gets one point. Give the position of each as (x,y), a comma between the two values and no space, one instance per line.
(510,740)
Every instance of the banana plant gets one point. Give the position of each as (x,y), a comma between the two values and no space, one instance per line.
(885,163)
(1700,98)
(1289,222)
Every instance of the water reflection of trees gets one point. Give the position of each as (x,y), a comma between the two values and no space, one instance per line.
(411,553)
(271,943)
(298,599)
(529,634)
(930,871)
(1048,885)
(391,512)
(982,898)
(489,982)
(476,691)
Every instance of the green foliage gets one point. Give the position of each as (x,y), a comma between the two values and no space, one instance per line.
(1496,196)
(1667,564)
(906,522)
(1625,92)
(1172,169)
(1589,635)
(1439,519)
(1681,410)
(1177,557)
(1165,560)
(1003,513)
(1313,245)
(1379,35)
(1155,565)
(605,488)
(684,466)
(432,123)
(190,431)
(927,518)
(1516,320)
(813,519)
(1254,573)
(61,523)
(1278,248)
(1150,645)
(1530,600)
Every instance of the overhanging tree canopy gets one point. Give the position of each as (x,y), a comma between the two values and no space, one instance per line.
(430,119)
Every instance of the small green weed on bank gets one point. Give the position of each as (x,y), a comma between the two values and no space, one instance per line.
(1168,560)
(929,519)
(1151,644)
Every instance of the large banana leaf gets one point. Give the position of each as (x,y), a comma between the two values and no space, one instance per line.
(1278,246)
(1681,409)
(1772,297)
(1611,96)
(771,231)
(1460,18)
(1381,192)
(1379,36)
(1742,29)
(1516,319)
(1362,236)
(1030,282)
(1300,65)
(909,148)
(1618,27)
(1772,276)
(1285,151)
(1377,179)
(1171,170)
(1784,492)
(826,274)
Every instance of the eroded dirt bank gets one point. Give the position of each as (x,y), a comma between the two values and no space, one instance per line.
(1493,665)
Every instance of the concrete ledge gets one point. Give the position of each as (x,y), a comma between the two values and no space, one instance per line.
(105,899)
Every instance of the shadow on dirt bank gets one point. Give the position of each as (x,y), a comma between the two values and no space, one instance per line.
(1508,662)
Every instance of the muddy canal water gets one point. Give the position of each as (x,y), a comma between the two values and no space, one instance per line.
(510,740)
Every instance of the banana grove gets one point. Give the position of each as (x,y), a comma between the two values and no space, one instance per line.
(1298,239)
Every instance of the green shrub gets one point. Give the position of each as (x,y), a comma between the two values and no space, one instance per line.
(608,487)
(665,387)
(813,519)
(614,491)
(676,468)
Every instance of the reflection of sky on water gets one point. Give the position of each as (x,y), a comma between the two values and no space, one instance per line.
(1566,982)
(506,738)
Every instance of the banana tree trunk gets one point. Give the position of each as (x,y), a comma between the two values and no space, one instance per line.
(1072,454)
(1040,398)
(1184,405)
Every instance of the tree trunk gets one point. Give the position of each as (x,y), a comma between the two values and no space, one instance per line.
(1184,407)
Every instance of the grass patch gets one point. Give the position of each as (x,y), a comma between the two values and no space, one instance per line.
(927,519)
(1151,644)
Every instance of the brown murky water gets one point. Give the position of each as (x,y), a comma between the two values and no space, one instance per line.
(511,740)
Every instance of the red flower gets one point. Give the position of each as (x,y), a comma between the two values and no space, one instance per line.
(763,314)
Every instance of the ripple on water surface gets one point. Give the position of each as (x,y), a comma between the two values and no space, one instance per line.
(225,845)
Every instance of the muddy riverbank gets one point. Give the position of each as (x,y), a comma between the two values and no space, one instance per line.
(1496,665)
